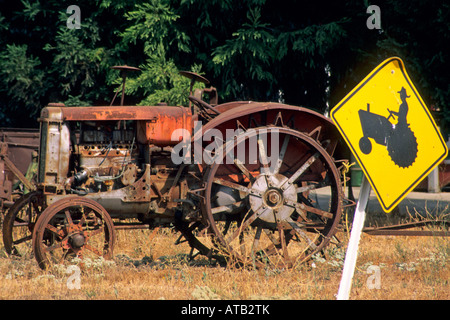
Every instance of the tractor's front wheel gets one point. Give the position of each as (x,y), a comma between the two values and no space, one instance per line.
(73,227)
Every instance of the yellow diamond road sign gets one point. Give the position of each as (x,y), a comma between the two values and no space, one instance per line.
(390,131)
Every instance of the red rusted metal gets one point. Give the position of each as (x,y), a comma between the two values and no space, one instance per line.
(109,113)
(194,77)
(402,229)
(10,165)
(250,113)
(166,128)
(247,114)
(21,144)
(17,148)
(155,124)
(125,68)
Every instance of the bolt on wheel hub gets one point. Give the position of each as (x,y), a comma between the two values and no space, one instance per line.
(273,198)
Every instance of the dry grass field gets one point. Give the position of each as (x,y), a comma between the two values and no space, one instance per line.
(154,268)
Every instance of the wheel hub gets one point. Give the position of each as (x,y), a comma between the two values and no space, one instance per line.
(272,205)
(77,240)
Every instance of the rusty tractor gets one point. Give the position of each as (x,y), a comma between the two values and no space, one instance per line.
(18,163)
(238,180)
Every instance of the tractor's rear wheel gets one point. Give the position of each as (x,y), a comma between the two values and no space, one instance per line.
(272,197)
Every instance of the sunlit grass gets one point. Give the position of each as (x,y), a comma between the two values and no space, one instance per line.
(149,265)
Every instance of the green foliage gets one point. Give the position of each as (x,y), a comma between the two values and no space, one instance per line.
(154,23)
(312,41)
(309,55)
(76,59)
(160,81)
(153,27)
(252,47)
(23,81)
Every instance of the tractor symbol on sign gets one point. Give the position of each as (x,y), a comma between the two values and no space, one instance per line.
(398,138)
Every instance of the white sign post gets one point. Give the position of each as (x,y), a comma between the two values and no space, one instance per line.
(352,250)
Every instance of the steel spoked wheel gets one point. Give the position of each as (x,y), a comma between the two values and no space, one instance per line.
(73,227)
(272,197)
(19,224)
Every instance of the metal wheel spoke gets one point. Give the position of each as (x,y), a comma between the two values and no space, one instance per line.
(238,231)
(298,229)
(256,240)
(57,245)
(283,242)
(244,170)
(220,209)
(20,221)
(303,168)
(68,217)
(274,246)
(281,155)
(278,245)
(92,249)
(263,157)
(94,232)
(226,227)
(308,188)
(52,229)
(241,240)
(24,239)
(82,220)
(322,213)
(300,208)
(232,185)
(226,208)
(244,225)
